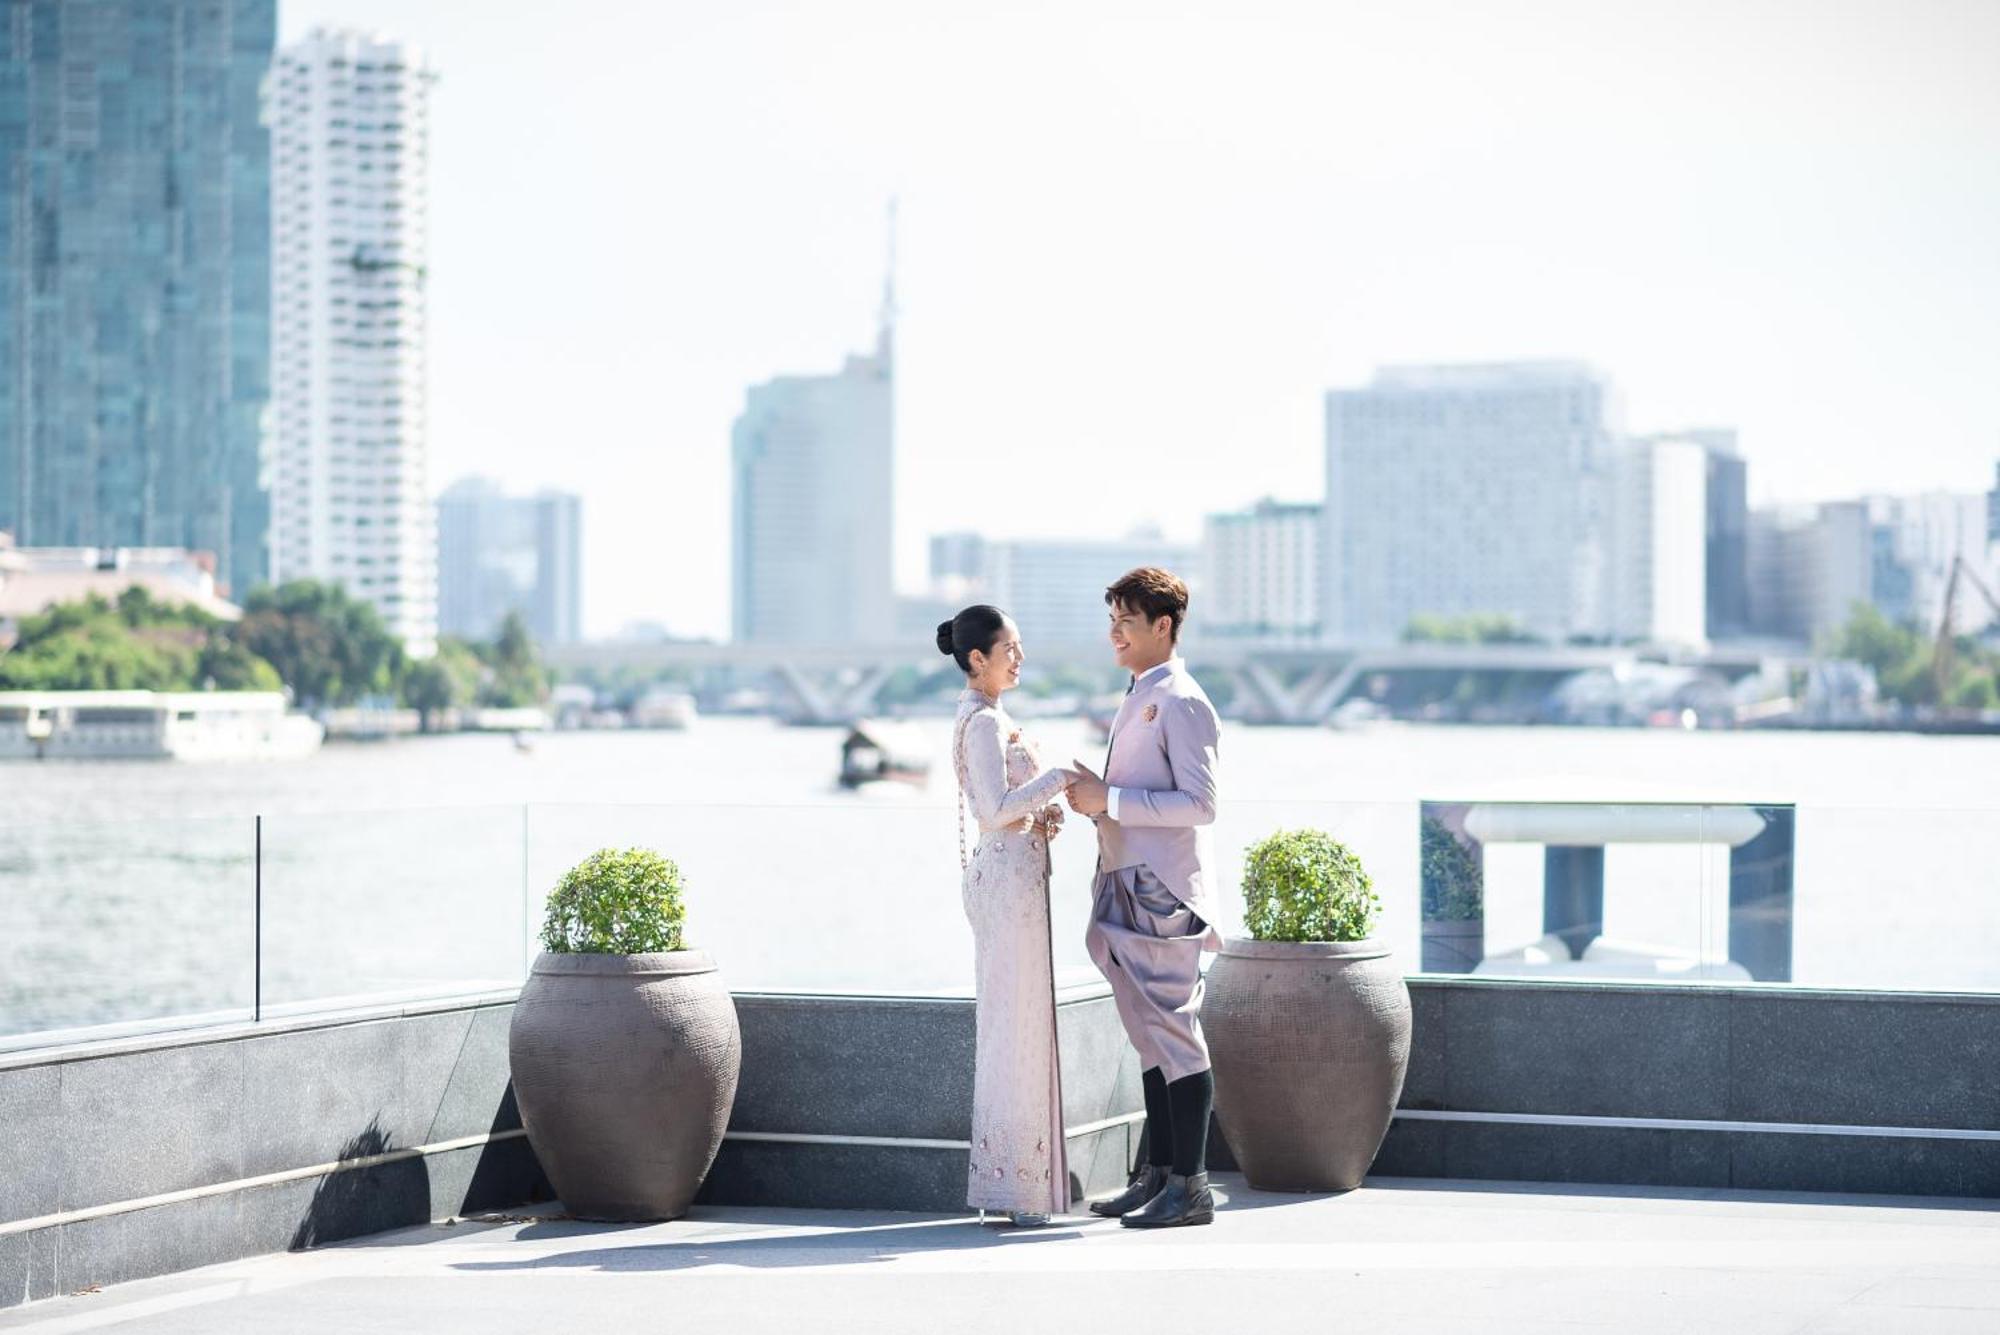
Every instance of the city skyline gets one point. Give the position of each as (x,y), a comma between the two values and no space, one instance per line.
(1758,247)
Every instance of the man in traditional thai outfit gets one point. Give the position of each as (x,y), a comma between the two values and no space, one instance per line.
(1151,903)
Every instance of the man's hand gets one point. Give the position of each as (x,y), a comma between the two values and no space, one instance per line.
(1088,795)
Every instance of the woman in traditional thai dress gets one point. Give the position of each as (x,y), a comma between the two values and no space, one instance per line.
(1017,1164)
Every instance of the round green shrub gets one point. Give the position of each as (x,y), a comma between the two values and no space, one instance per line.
(617,901)
(1305,885)
(1454,884)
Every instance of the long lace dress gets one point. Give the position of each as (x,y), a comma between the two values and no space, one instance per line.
(1018,1161)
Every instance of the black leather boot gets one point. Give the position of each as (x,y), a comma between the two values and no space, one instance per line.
(1152,1177)
(1183,1201)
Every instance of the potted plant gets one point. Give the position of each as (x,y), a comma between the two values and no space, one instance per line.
(1453,891)
(624,1043)
(1308,1019)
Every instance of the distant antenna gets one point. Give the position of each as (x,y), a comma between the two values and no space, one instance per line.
(886,333)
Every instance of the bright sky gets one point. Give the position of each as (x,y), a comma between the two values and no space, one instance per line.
(1139,241)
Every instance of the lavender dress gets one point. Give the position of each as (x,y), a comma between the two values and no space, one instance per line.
(1018,1161)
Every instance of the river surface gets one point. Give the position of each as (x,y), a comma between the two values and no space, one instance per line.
(133,891)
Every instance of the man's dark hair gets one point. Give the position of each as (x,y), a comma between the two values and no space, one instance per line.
(1152,593)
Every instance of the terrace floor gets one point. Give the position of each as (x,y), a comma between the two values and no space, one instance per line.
(1400,1255)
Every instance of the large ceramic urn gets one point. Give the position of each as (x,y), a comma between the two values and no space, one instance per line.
(1310,1041)
(625,1071)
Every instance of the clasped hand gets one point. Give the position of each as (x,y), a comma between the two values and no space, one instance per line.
(1087,795)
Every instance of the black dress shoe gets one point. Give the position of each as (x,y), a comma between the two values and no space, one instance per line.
(1183,1201)
(1152,1178)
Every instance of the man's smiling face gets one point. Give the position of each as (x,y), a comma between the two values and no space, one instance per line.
(1138,644)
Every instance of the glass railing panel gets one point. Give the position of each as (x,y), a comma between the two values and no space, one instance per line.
(1612,891)
(109,929)
(1898,899)
(857,897)
(367,908)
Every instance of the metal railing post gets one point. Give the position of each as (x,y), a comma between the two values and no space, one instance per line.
(257,982)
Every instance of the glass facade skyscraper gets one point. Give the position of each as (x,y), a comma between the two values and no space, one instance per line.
(135,263)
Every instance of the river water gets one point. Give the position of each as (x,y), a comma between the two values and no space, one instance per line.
(134,891)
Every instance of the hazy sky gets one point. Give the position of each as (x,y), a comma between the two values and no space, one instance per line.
(1140,241)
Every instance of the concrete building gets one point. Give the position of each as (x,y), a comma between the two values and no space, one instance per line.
(1809,567)
(1993,509)
(35,579)
(960,556)
(1261,570)
(1456,490)
(1658,542)
(1811,564)
(135,242)
(1054,588)
(1914,541)
(351,498)
(1728,532)
(499,554)
(813,460)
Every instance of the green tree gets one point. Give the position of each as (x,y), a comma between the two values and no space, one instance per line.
(136,643)
(517,678)
(449,679)
(1471,628)
(226,665)
(331,649)
(1902,656)
(1981,691)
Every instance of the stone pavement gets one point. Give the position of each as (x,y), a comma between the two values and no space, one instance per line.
(1400,1255)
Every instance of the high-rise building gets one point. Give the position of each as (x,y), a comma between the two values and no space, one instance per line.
(350,495)
(1054,588)
(1915,541)
(1658,542)
(1260,571)
(135,276)
(813,464)
(1460,490)
(1728,533)
(499,554)
(957,556)
(1810,565)
(1993,509)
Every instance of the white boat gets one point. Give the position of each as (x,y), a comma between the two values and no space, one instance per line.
(661,708)
(153,725)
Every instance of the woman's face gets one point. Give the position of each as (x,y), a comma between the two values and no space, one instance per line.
(999,668)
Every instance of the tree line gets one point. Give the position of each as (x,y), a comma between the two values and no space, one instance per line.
(311,638)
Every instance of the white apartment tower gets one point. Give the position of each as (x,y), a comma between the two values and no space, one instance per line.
(1457,490)
(1054,587)
(1659,549)
(1261,567)
(350,489)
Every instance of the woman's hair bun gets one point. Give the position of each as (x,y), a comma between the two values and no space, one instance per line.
(944,638)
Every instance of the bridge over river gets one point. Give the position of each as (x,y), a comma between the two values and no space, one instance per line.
(1274,683)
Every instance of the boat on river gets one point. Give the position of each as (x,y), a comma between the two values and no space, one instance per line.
(153,725)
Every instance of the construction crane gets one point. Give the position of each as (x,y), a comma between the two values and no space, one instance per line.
(1942,655)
